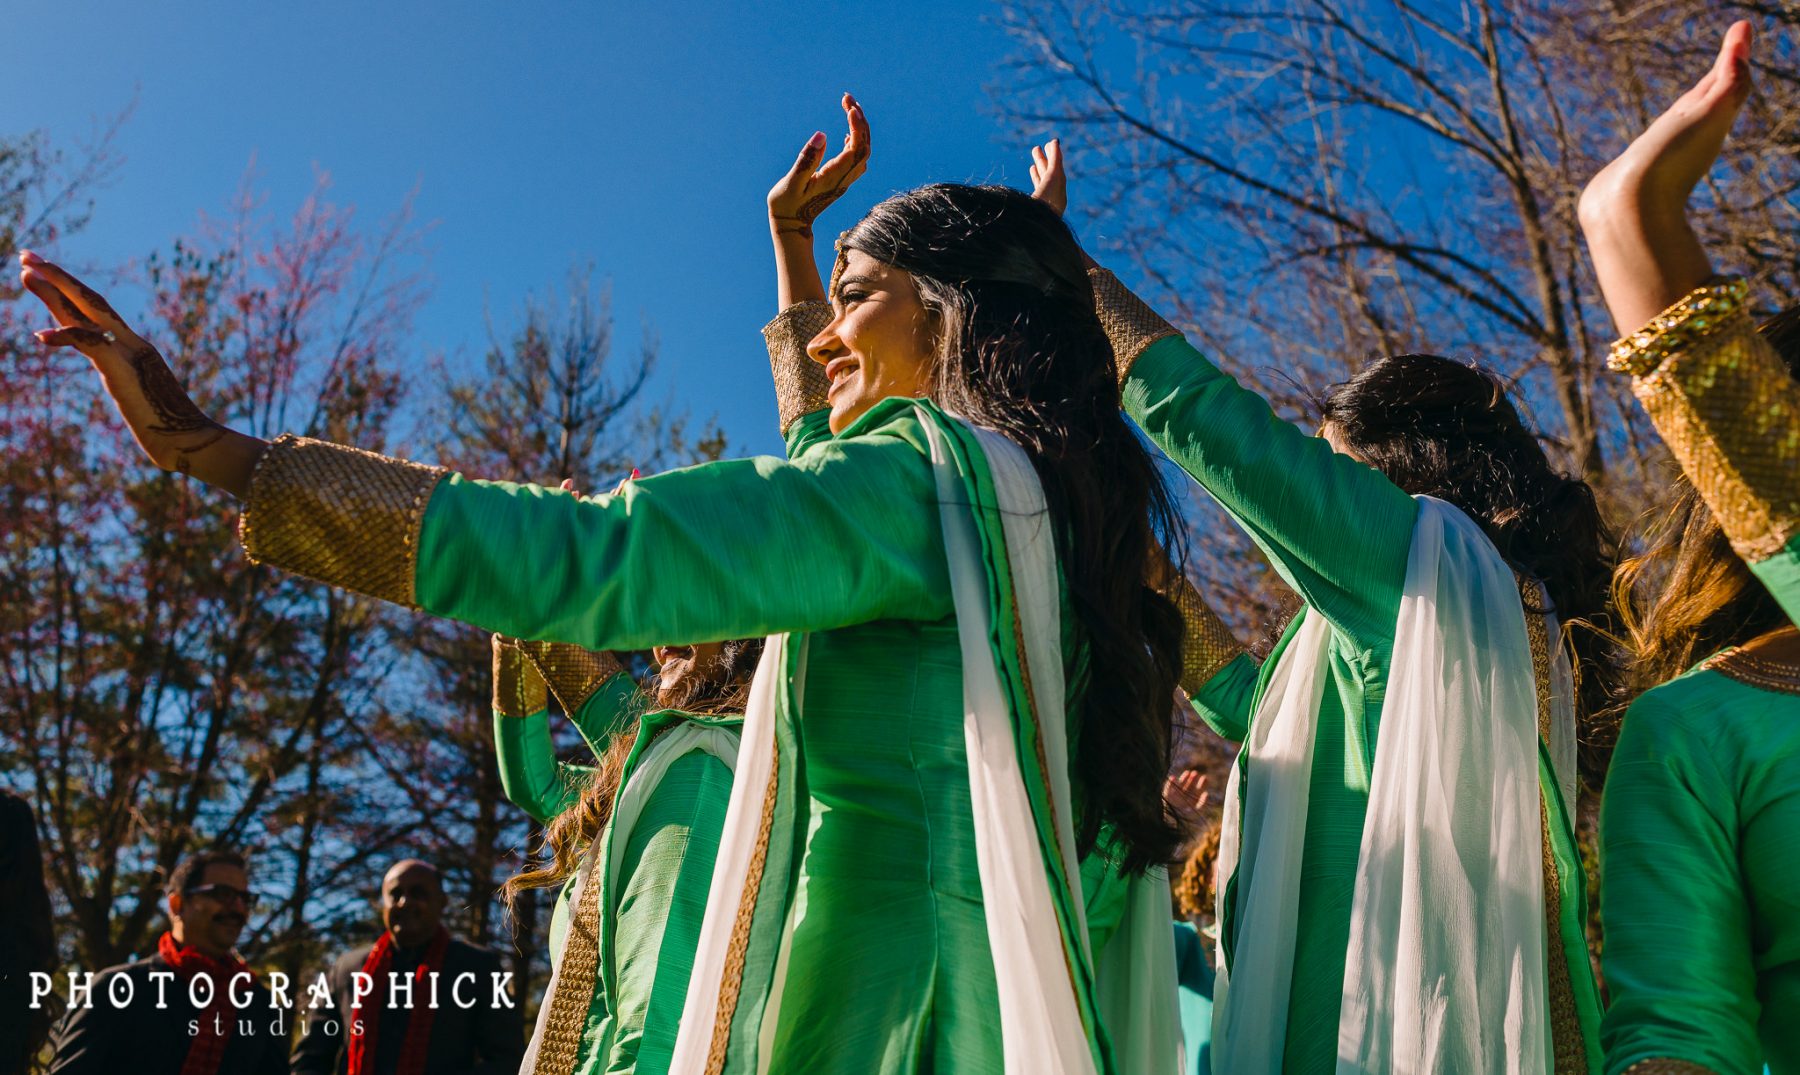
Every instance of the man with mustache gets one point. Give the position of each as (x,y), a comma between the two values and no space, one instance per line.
(192,1008)
(391,1016)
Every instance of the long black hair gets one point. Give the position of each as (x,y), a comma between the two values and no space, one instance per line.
(1020,350)
(1447,429)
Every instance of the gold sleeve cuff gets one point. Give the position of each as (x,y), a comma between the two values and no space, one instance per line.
(1207,645)
(518,689)
(571,673)
(1130,324)
(800,382)
(1664,1066)
(1729,410)
(339,515)
(1677,329)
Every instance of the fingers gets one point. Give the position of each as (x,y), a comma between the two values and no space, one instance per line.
(59,305)
(808,158)
(84,338)
(857,142)
(86,299)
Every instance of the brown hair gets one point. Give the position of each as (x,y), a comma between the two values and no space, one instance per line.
(724,691)
(1193,889)
(1690,595)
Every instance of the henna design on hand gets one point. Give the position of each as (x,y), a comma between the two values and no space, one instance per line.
(93,298)
(177,414)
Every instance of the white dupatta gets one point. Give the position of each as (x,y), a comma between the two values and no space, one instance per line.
(1445,970)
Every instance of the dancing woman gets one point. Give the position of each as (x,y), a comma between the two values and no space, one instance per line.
(954,615)
(1400,888)
(631,842)
(1702,806)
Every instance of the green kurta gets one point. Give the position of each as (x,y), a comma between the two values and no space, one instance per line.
(647,952)
(1700,893)
(1338,532)
(843,544)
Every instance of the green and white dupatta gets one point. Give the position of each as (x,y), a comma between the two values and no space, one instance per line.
(1063,1008)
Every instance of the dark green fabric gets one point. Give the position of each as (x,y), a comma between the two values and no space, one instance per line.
(1700,879)
(1781,574)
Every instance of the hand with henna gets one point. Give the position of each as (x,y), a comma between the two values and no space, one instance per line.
(1050,183)
(807,190)
(1634,212)
(171,429)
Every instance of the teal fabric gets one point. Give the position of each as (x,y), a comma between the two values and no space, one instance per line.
(1195,974)
(1700,882)
(1781,574)
(1340,533)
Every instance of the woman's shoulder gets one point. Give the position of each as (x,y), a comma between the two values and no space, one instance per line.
(1730,700)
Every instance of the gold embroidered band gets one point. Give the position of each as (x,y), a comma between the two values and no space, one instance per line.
(1207,645)
(1130,324)
(572,674)
(1662,1065)
(518,688)
(339,515)
(1770,662)
(564,1027)
(800,382)
(1729,410)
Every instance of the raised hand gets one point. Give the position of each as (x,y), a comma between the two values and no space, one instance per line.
(1634,212)
(809,188)
(1049,184)
(1185,794)
(171,429)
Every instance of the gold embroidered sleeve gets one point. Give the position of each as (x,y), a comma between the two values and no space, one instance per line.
(571,673)
(339,515)
(518,688)
(1728,409)
(1207,645)
(1130,324)
(800,382)
(1665,1066)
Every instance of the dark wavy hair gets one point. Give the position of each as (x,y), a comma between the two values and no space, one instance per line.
(722,689)
(1442,428)
(1690,595)
(1020,350)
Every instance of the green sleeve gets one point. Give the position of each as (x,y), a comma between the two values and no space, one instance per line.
(846,534)
(1781,574)
(611,707)
(1337,530)
(1677,958)
(530,775)
(664,879)
(1225,702)
(807,430)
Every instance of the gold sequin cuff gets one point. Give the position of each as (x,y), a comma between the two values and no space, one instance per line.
(1677,329)
(1665,1066)
(800,382)
(1729,410)
(572,674)
(1207,645)
(518,689)
(339,515)
(1130,324)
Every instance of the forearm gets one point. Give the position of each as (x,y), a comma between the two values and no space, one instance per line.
(796,271)
(1645,258)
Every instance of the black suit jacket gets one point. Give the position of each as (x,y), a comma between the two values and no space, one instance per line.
(483,1039)
(99,1039)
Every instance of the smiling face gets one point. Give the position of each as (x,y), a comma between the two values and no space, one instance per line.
(209,916)
(879,342)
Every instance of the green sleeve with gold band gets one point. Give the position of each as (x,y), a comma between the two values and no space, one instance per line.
(1290,491)
(847,533)
(1729,410)
(1217,676)
(800,383)
(530,772)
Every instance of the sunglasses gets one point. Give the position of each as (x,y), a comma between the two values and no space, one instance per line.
(223,894)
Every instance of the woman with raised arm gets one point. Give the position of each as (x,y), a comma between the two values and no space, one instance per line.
(1702,806)
(1399,884)
(631,841)
(950,586)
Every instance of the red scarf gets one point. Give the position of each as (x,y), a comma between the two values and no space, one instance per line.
(418,1026)
(208,1048)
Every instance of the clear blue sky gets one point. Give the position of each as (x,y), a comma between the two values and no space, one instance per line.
(639,136)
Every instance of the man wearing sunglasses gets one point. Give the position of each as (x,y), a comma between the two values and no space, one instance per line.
(192,1008)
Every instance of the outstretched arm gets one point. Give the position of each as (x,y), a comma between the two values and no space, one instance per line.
(1725,402)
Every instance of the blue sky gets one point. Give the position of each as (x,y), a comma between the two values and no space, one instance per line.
(638,136)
